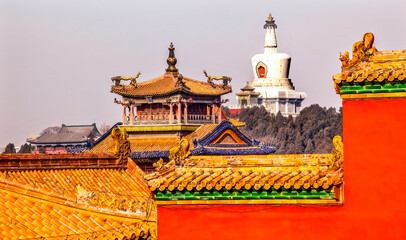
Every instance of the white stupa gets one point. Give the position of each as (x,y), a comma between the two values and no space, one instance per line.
(271,77)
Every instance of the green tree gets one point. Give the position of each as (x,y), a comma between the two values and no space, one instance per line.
(25,148)
(312,131)
(10,148)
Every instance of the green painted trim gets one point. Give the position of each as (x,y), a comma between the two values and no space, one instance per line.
(161,128)
(245,195)
(365,91)
(397,90)
(386,87)
(349,91)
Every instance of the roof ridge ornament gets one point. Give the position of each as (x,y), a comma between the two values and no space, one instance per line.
(171,60)
(361,51)
(179,81)
(133,80)
(122,147)
(210,79)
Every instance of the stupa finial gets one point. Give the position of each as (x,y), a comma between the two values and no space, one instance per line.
(171,60)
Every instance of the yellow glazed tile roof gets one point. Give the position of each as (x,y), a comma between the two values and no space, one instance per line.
(383,65)
(59,201)
(371,72)
(30,214)
(138,144)
(199,133)
(166,84)
(251,171)
(149,144)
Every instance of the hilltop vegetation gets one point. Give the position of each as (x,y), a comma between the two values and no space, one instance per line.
(312,131)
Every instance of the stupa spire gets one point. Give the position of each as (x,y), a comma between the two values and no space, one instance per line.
(171,60)
(270,35)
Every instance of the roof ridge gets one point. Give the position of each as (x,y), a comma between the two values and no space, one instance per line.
(15,189)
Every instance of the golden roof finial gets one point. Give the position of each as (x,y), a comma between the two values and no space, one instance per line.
(270,17)
(171,60)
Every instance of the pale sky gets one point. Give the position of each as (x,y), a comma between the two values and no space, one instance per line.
(57,57)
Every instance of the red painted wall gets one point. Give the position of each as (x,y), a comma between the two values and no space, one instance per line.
(375,198)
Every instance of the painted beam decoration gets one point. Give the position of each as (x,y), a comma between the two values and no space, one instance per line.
(371,73)
(251,179)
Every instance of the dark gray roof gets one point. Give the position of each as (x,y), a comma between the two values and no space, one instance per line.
(69,134)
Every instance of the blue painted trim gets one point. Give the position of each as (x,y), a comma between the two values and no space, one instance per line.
(204,147)
(224,125)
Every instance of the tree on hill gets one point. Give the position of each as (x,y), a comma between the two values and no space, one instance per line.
(25,148)
(312,131)
(10,148)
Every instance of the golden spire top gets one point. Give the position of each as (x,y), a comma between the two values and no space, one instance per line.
(171,60)
(270,17)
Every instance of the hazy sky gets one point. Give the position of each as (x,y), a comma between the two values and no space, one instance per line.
(57,57)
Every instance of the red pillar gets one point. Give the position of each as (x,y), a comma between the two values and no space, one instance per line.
(185,114)
(179,113)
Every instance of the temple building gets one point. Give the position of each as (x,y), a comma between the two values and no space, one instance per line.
(171,98)
(70,138)
(160,113)
(271,78)
(247,97)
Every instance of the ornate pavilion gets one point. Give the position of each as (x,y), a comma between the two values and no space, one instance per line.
(170,98)
(158,113)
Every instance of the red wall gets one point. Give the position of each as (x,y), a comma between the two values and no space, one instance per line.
(375,200)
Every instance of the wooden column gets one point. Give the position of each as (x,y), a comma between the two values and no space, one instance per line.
(170,113)
(219,114)
(213,113)
(179,112)
(132,114)
(185,115)
(124,115)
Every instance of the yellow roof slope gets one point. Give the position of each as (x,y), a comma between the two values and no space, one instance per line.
(91,201)
(138,144)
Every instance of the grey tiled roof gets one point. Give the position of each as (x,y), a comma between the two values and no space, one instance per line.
(69,134)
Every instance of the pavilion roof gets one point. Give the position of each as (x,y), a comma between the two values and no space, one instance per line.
(167,85)
(247,94)
(247,87)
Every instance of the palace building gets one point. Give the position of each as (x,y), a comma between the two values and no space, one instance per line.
(159,113)
(170,98)
(70,138)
